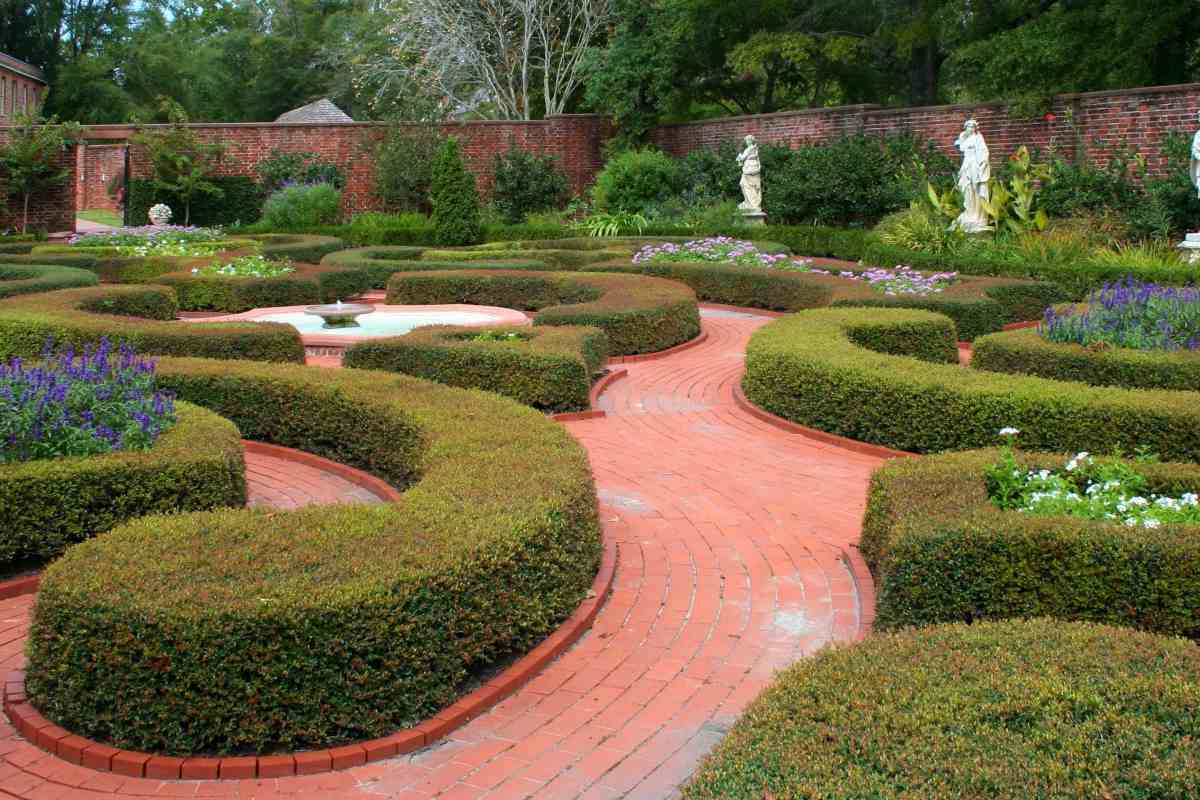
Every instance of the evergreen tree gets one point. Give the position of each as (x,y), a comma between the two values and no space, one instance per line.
(455,199)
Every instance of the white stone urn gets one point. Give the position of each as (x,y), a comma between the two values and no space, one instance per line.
(160,214)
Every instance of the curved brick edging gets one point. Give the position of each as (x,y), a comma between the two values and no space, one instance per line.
(670,351)
(375,486)
(854,445)
(597,389)
(95,755)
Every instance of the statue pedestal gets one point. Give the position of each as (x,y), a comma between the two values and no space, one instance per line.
(1190,247)
(753,217)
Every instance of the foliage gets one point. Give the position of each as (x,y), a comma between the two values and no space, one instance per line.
(50,504)
(201,291)
(549,368)
(633,180)
(349,613)
(299,206)
(297,247)
(454,198)
(282,167)
(181,161)
(904,281)
(525,183)
(239,203)
(614,223)
(32,279)
(1013,206)
(403,166)
(987,710)
(33,158)
(80,404)
(147,235)
(1129,313)
(718,249)
(919,228)
(891,377)
(942,550)
(255,266)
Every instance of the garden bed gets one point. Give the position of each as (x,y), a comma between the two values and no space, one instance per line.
(15,280)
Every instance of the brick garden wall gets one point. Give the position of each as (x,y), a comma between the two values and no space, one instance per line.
(52,210)
(1092,125)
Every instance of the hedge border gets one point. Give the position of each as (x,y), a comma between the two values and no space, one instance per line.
(51,503)
(35,278)
(142,316)
(1026,352)
(478,537)
(639,314)
(549,368)
(890,377)
(941,551)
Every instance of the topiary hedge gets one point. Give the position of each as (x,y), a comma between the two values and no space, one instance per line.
(244,631)
(756,287)
(240,202)
(112,267)
(977,305)
(549,368)
(639,314)
(142,316)
(305,249)
(1004,710)
(352,272)
(1026,352)
(943,552)
(886,376)
(234,294)
(49,504)
(30,279)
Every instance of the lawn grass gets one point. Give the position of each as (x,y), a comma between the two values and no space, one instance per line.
(102,216)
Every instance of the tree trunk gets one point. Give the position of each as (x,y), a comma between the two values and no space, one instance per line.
(923,75)
(25,215)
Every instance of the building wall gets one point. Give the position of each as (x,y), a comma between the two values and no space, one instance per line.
(18,92)
(1095,125)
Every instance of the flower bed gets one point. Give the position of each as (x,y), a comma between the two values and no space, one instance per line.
(549,368)
(141,316)
(943,550)
(1130,314)
(639,314)
(148,236)
(1007,711)
(251,266)
(244,632)
(890,377)
(15,280)
(715,249)
(1027,352)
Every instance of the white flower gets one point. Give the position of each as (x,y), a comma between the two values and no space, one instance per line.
(1009,431)
(1140,502)
(1150,522)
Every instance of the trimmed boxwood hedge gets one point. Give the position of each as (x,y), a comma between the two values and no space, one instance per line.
(244,631)
(977,305)
(639,314)
(755,287)
(304,249)
(1026,352)
(51,503)
(240,202)
(16,280)
(550,368)
(1000,710)
(874,375)
(112,267)
(943,552)
(142,316)
(236,294)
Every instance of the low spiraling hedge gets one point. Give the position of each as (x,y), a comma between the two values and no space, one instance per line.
(550,368)
(886,376)
(756,287)
(49,504)
(243,631)
(978,306)
(112,267)
(639,314)
(142,316)
(352,272)
(1026,352)
(233,294)
(297,247)
(16,280)
(943,552)
(1002,710)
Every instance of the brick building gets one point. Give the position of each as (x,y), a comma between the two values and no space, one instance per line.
(22,86)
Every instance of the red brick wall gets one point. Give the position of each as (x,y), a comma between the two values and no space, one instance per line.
(17,93)
(52,210)
(1093,124)
(98,167)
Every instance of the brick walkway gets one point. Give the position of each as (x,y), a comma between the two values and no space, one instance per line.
(731,537)
(278,483)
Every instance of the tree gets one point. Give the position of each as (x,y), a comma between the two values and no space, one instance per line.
(34,157)
(181,162)
(455,199)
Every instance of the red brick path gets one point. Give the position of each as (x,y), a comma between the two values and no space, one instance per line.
(732,537)
(280,483)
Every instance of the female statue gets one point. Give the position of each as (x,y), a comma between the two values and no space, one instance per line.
(973,178)
(751,177)
(1196,159)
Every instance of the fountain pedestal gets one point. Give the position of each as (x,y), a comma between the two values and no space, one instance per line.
(339,314)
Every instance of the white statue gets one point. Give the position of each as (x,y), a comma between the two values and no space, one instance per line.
(751,177)
(1196,159)
(973,178)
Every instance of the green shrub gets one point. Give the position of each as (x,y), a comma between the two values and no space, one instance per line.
(888,377)
(942,551)
(455,199)
(302,206)
(757,287)
(547,368)
(296,247)
(281,167)
(52,503)
(237,294)
(142,316)
(1026,352)
(403,161)
(639,314)
(634,180)
(353,272)
(242,631)
(526,183)
(1006,710)
(240,202)
(375,228)
(16,280)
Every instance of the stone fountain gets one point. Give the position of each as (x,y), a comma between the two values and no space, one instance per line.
(339,314)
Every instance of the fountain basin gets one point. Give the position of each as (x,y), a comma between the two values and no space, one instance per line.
(379,321)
